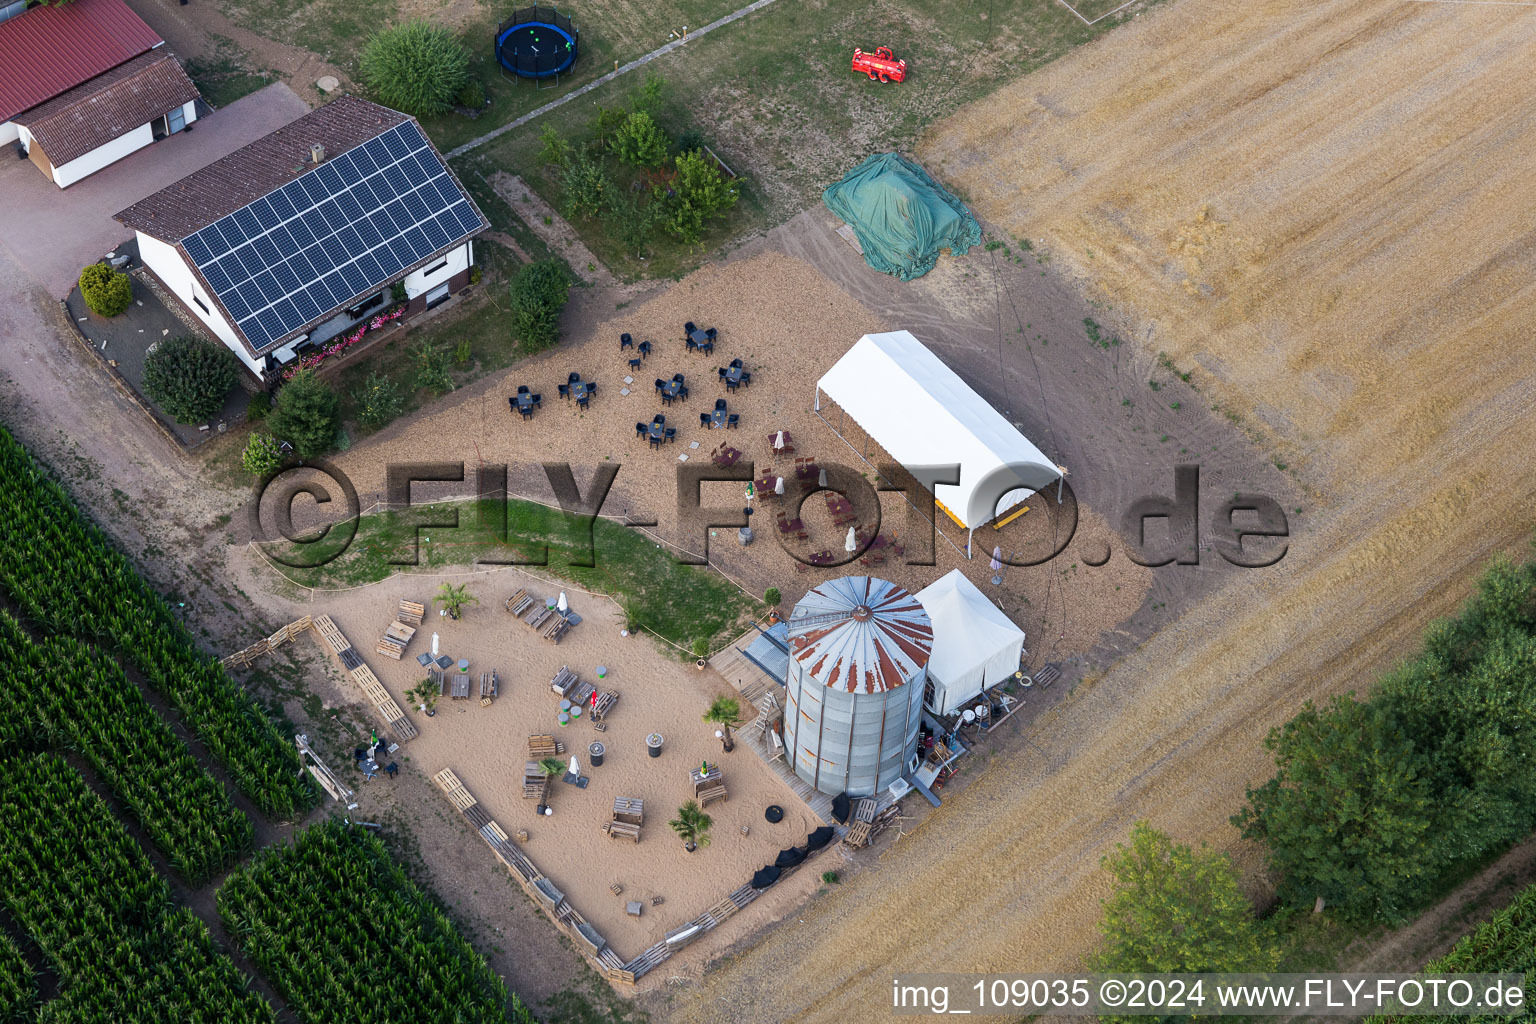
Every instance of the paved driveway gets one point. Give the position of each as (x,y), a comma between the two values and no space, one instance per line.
(54,232)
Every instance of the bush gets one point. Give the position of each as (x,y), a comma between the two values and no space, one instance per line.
(189,377)
(631,222)
(378,400)
(585,185)
(699,192)
(306,415)
(690,140)
(416,67)
(463,352)
(772,597)
(261,455)
(108,292)
(472,94)
(539,292)
(604,123)
(259,406)
(640,141)
(553,149)
(432,368)
(830,877)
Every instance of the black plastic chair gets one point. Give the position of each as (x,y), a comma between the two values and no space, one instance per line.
(538,400)
(659,418)
(592,388)
(721,371)
(736,364)
(731,385)
(708,348)
(733,420)
(634,364)
(512,402)
(583,399)
(666,399)
(528,413)
(703,419)
(671,434)
(522,389)
(682,393)
(677,377)
(655,442)
(572,378)
(564,389)
(688,327)
(688,341)
(625,341)
(639,429)
(719,403)
(711,333)
(746,379)
(644,348)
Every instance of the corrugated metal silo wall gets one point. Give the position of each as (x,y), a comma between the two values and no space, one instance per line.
(853,742)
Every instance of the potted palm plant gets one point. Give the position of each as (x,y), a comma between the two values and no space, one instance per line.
(424,694)
(726,713)
(453,598)
(692,824)
(550,767)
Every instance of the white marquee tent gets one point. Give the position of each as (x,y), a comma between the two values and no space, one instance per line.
(974,644)
(923,414)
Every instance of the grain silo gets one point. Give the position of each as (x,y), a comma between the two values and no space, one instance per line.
(858,659)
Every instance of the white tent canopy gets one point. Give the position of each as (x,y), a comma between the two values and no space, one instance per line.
(923,414)
(974,644)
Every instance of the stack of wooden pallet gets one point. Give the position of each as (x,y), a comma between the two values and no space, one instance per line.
(535,782)
(520,602)
(488,688)
(540,747)
(605,702)
(397,635)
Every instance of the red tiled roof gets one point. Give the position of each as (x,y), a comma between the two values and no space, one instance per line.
(50,50)
(108,106)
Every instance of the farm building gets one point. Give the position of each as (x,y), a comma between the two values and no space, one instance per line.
(975,646)
(858,658)
(920,411)
(292,241)
(86,84)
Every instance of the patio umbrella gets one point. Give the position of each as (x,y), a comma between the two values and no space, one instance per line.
(575,768)
(434,645)
(765,877)
(778,441)
(821,479)
(789,858)
(852,543)
(819,838)
(562,604)
(778,486)
(997,558)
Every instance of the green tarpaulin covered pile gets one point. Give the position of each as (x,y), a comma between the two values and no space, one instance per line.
(901,216)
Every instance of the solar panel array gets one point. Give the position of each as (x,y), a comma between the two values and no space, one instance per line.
(332,234)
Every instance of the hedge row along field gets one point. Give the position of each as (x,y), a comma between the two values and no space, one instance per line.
(18,987)
(101,715)
(64,573)
(344,936)
(1505,942)
(76,882)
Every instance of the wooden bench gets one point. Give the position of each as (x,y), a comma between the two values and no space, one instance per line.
(410,613)
(710,795)
(488,688)
(605,702)
(581,694)
(539,617)
(565,681)
(555,629)
(616,829)
(629,809)
(519,603)
(397,636)
(460,689)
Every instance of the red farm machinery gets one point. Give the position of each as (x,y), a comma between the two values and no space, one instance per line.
(880,66)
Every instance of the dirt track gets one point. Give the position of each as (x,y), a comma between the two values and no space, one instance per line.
(1328,209)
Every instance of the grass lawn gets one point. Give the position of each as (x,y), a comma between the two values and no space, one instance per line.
(226,73)
(776,99)
(678,602)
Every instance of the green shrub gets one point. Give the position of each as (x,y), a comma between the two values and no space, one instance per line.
(108,292)
(463,352)
(690,140)
(261,455)
(539,292)
(584,184)
(416,67)
(646,96)
(378,400)
(306,415)
(605,122)
(772,597)
(631,222)
(699,192)
(830,877)
(471,94)
(259,406)
(553,149)
(189,377)
(432,368)
(640,141)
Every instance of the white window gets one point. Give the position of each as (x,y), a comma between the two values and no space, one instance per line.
(437,295)
(176,120)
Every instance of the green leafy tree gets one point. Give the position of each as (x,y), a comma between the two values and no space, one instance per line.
(699,192)
(553,149)
(646,97)
(1176,909)
(640,141)
(189,377)
(261,455)
(726,713)
(631,222)
(432,370)
(306,415)
(416,67)
(605,121)
(539,292)
(106,291)
(772,597)
(378,400)
(584,185)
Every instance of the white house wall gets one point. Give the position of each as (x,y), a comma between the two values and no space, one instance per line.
(10,131)
(83,166)
(419,282)
(173,272)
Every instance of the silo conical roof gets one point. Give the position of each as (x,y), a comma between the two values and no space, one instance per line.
(860,634)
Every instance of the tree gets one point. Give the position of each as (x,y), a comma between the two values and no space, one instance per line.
(539,292)
(584,184)
(699,192)
(631,222)
(553,149)
(189,377)
(378,400)
(454,598)
(261,455)
(306,415)
(1175,909)
(640,141)
(106,291)
(425,694)
(772,597)
(416,67)
(432,370)
(692,824)
(726,713)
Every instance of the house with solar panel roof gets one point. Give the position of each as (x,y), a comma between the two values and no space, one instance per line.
(284,245)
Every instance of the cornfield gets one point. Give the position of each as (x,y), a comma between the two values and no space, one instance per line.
(90,707)
(18,987)
(345,936)
(65,575)
(81,888)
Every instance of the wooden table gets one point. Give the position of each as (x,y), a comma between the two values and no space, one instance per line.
(702,780)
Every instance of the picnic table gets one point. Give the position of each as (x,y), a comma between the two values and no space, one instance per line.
(726,457)
(735,375)
(582,390)
(703,780)
(821,558)
(766,485)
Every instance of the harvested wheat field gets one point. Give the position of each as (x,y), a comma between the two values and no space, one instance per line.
(1327,209)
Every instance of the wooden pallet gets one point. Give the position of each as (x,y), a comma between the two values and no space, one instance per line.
(1047,675)
(453,789)
(489,685)
(622,829)
(539,617)
(564,681)
(710,795)
(605,702)
(629,809)
(411,613)
(555,629)
(520,602)
(535,782)
(544,746)
(460,690)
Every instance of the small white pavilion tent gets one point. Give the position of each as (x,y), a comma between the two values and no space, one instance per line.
(923,414)
(974,644)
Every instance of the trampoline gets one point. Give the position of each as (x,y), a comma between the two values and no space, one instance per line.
(537,42)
